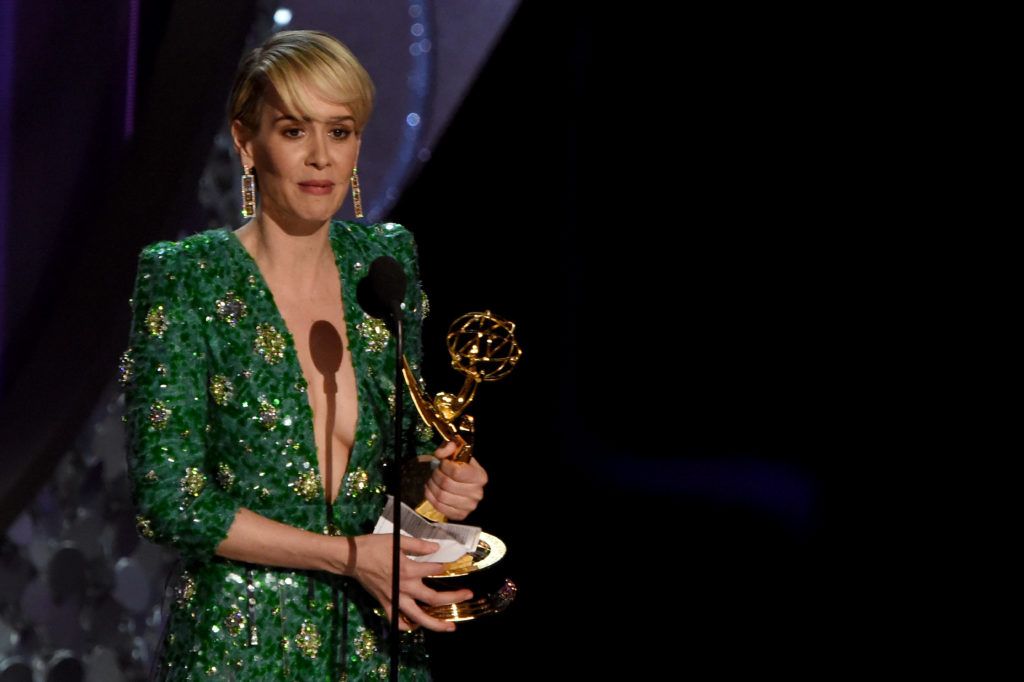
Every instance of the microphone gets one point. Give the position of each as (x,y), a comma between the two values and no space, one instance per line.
(382,291)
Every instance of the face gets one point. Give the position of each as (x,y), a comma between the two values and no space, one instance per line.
(290,153)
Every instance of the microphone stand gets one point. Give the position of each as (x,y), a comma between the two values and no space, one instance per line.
(381,293)
(396,487)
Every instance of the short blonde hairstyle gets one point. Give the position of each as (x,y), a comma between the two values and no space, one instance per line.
(289,57)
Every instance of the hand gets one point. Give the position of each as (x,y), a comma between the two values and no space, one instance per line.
(455,488)
(370,564)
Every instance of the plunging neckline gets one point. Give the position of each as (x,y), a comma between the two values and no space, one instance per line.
(290,345)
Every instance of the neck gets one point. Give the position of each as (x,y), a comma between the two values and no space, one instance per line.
(300,259)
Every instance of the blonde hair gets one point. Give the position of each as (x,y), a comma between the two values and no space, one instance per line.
(290,57)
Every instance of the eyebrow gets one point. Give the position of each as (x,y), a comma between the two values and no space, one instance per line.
(333,119)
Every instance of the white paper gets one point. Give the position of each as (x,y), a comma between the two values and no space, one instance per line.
(455,539)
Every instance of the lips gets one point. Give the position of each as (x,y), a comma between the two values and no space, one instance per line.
(317,183)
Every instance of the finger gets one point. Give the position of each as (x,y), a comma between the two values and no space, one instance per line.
(453,507)
(417,546)
(446,450)
(416,570)
(464,472)
(417,614)
(434,598)
(405,624)
(465,501)
(473,490)
(452,513)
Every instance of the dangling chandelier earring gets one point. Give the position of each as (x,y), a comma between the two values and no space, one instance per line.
(357,199)
(248,192)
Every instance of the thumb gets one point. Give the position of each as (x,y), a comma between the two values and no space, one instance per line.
(418,546)
(446,450)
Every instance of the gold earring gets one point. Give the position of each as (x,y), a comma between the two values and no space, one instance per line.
(357,198)
(248,192)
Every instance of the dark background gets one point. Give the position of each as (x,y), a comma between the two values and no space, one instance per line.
(644,194)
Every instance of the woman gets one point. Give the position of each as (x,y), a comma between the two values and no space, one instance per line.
(255,384)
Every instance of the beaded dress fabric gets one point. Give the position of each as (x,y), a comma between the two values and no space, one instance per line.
(217,418)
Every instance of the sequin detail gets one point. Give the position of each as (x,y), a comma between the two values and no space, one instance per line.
(150,477)
(307,486)
(159,414)
(231,308)
(308,639)
(193,481)
(225,476)
(185,589)
(143,525)
(125,367)
(424,304)
(267,414)
(365,644)
(156,321)
(221,389)
(375,333)
(234,622)
(356,482)
(424,432)
(269,343)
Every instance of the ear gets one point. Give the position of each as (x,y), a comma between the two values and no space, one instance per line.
(243,142)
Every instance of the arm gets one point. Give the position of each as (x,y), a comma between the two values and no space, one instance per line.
(177,502)
(367,558)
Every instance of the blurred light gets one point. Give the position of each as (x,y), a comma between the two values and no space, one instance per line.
(415,11)
(283,17)
(417,29)
(412,120)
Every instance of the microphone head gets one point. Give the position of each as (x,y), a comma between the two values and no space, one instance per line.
(382,291)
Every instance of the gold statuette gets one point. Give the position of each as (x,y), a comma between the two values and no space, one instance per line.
(482,347)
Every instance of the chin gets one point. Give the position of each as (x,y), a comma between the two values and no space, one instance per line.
(316,216)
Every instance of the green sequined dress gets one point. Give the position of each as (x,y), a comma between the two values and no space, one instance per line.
(217,418)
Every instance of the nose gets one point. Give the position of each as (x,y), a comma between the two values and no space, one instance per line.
(317,151)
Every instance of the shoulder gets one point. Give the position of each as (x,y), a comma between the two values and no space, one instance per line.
(391,238)
(169,254)
(382,233)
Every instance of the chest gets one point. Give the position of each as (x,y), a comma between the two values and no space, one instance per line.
(319,330)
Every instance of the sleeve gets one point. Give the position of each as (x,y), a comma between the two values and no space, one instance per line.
(164,374)
(426,440)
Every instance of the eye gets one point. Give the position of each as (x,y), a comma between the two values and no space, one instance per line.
(341,133)
(287,132)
